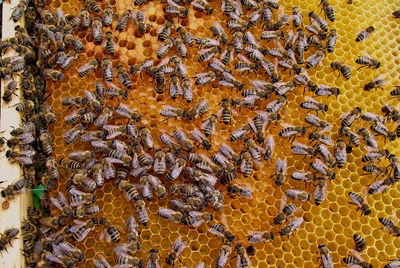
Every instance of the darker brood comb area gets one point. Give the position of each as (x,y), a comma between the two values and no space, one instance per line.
(206,132)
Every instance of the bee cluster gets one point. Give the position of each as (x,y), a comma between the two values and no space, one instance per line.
(183,175)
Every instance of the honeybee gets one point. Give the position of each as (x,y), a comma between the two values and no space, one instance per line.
(291,227)
(359,242)
(315,59)
(205,78)
(127,260)
(302,149)
(381,129)
(349,118)
(110,232)
(183,140)
(367,61)
(219,31)
(376,170)
(140,21)
(209,125)
(180,66)
(128,189)
(379,82)
(173,9)
(312,104)
(284,211)
(239,190)
(382,185)
(171,144)
(280,171)
(52,74)
(198,110)
(197,218)
(157,186)
(124,20)
(125,249)
(154,259)
(78,198)
(81,229)
(320,191)
(109,43)
(245,65)
(368,137)
(199,137)
(146,138)
(107,16)
(326,257)
(324,151)
(356,260)
(223,256)
(353,137)
(176,250)
(13,189)
(390,226)
(126,111)
(202,5)
(316,19)
(328,9)
(343,68)
(332,39)
(61,203)
(222,229)
(243,259)
(318,122)
(305,80)
(86,68)
(96,30)
(84,18)
(143,66)
(165,31)
(365,33)
(296,194)
(291,131)
(393,263)
(229,153)
(277,104)
(229,81)
(177,169)
(297,17)
(340,153)
(101,262)
(360,202)
(187,37)
(6,237)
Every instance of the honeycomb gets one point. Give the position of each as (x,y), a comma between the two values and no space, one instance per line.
(333,222)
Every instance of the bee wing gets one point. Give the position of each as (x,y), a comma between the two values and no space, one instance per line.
(172,3)
(308,98)
(205,123)
(282,203)
(225,221)
(197,135)
(84,67)
(394,217)
(99,143)
(226,84)
(327,128)
(163,62)
(25,160)
(215,232)
(76,192)
(286,125)
(56,203)
(246,192)
(255,233)
(356,254)
(76,227)
(243,58)
(320,192)
(365,194)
